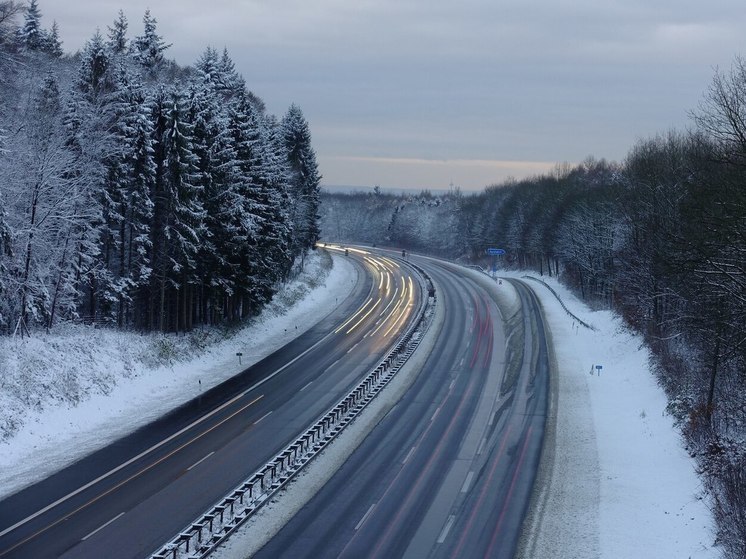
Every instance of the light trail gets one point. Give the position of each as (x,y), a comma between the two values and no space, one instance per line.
(361,309)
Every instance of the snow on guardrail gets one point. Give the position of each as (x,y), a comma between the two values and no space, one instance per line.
(561,302)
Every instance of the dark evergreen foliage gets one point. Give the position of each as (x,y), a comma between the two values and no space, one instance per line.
(144,195)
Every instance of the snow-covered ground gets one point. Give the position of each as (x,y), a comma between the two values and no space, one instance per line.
(65,395)
(617,483)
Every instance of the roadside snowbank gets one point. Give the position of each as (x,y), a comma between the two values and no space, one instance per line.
(619,483)
(65,395)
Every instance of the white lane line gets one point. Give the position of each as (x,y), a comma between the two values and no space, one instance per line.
(409,455)
(102,527)
(467,482)
(332,365)
(265,415)
(306,386)
(461,363)
(481,446)
(492,419)
(436,413)
(353,347)
(365,516)
(446,529)
(198,462)
(453,382)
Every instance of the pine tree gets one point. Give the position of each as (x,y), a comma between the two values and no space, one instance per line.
(31,34)
(249,219)
(216,174)
(231,80)
(94,76)
(117,42)
(305,180)
(131,179)
(148,48)
(279,229)
(177,213)
(51,43)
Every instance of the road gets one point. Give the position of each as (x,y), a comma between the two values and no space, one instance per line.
(449,471)
(132,496)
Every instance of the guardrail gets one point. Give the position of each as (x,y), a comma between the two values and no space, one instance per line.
(212,528)
(561,302)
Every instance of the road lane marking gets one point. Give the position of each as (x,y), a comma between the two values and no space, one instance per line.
(365,516)
(446,529)
(481,445)
(409,455)
(306,386)
(115,487)
(198,462)
(436,413)
(102,526)
(265,415)
(467,482)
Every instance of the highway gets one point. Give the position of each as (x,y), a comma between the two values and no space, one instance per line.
(449,471)
(129,498)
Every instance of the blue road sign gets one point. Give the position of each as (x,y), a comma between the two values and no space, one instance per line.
(495,251)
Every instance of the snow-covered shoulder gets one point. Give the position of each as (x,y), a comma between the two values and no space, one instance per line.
(620,483)
(63,396)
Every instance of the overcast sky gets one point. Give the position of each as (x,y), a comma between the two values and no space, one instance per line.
(425,93)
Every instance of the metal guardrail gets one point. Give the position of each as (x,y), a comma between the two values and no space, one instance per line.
(561,302)
(204,535)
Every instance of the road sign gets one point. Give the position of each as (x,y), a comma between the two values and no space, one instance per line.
(495,251)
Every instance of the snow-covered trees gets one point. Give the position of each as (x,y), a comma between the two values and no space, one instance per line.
(136,200)
(148,48)
(305,179)
(31,34)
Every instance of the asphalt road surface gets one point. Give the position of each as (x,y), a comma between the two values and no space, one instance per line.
(449,471)
(134,495)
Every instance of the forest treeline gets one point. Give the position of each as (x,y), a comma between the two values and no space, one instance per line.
(139,193)
(659,237)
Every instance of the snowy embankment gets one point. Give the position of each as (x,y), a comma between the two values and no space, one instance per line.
(67,394)
(616,481)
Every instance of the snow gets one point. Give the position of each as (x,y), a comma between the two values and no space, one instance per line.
(65,395)
(619,483)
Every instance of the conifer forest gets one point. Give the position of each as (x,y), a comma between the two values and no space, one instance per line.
(138,193)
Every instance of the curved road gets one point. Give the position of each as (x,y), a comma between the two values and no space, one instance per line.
(132,496)
(449,471)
